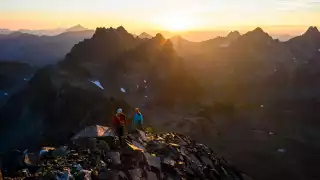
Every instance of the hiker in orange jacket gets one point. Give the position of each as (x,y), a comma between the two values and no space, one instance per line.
(119,121)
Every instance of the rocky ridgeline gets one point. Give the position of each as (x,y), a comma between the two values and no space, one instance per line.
(144,156)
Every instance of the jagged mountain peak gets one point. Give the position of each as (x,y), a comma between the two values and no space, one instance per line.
(159,39)
(145,35)
(76,28)
(257,34)
(311,31)
(159,36)
(105,44)
(121,29)
(103,32)
(258,29)
(233,35)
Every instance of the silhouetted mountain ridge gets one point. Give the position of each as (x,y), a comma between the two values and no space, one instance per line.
(76,28)
(39,50)
(312,31)
(145,35)
(233,35)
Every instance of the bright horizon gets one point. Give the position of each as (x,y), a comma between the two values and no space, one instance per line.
(165,15)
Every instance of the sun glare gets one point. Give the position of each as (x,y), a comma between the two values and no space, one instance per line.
(175,23)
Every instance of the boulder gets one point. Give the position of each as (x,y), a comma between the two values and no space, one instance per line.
(114,157)
(153,161)
(135,174)
(108,174)
(94,131)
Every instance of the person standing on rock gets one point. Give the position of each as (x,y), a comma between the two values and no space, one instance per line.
(119,122)
(137,120)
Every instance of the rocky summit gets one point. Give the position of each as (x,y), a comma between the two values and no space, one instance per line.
(144,156)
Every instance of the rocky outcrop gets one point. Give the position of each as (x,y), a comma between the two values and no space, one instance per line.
(145,156)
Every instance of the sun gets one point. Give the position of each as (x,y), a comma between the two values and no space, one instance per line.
(175,22)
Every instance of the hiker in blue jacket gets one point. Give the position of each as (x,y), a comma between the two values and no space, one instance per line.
(137,120)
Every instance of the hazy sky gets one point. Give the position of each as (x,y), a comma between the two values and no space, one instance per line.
(158,14)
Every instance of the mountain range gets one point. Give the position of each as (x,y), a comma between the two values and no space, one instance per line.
(42,47)
(39,50)
(252,98)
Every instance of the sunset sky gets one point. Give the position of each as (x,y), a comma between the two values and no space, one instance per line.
(172,15)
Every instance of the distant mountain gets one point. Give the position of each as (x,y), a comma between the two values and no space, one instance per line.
(76,28)
(45,32)
(233,35)
(305,46)
(145,35)
(50,32)
(39,50)
(5,31)
(188,49)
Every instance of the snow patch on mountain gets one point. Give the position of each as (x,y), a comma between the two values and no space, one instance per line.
(123,90)
(97,83)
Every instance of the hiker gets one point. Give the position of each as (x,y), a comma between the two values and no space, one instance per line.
(137,120)
(119,122)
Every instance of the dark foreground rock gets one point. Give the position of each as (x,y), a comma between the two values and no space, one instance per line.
(145,156)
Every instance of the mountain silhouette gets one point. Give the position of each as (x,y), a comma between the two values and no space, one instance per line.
(145,35)
(5,31)
(233,35)
(76,28)
(312,31)
(39,50)
(305,46)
